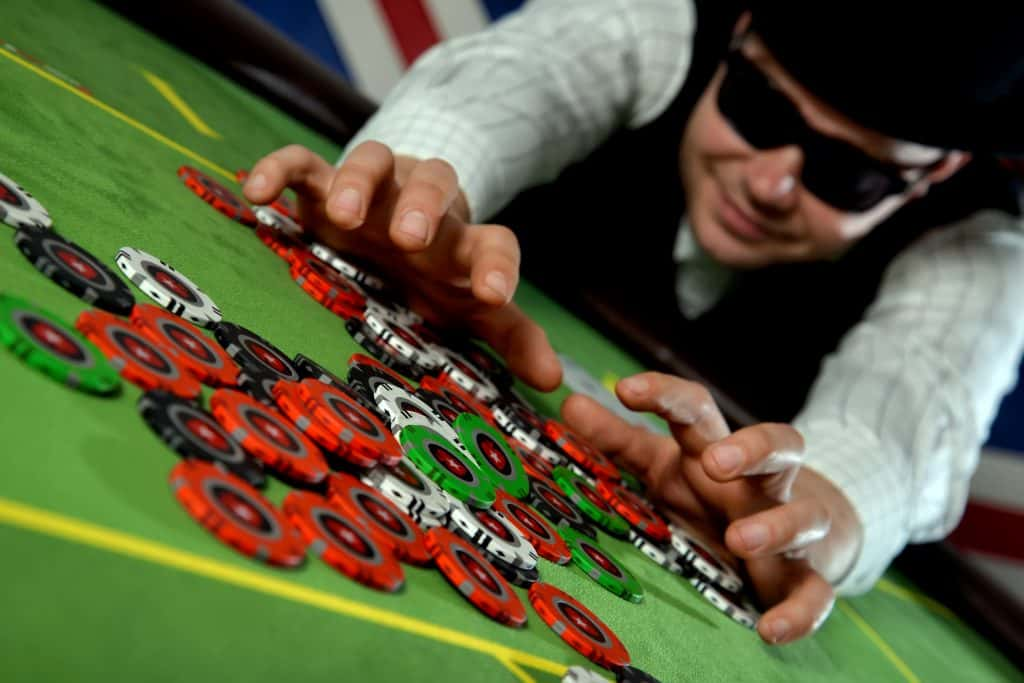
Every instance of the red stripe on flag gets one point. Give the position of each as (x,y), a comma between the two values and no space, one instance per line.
(991,529)
(412,26)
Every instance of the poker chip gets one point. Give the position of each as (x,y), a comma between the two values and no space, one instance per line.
(447,465)
(366,441)
(19,209)
(661,554)
(426,522)
(167,287)
(197,354)
(524,425)
(732,605)
(237,514)
(349,267)
(288,400)
(216,195)
(285,246)
(343,541)
(494,457)
(537,530)
(401,339)
(43,342)
(385,519)
(254,354)
(581,452)
(259,385)
(635,510)
(135,357)
(694,556)
(549,500)
(325,286)
(604,569)
(578,674)
(191,432)
(363,336)
(310,369)
(439,404)
(585,497)
(495,370)
(517,576)
(578,626)
(268,437)
(402,409)
(277,220)
(395,312)
(631,674)
(494,534)
(534,465)
(631,481)
(457,397)
(365,373)
(461,372)
(74,269)
(409,489)
(474,578)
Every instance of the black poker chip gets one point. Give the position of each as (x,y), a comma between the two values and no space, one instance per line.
(259,385)
(310,369)
(254,354)
(551,502)
(365,337)
(364,375)
(191,432)
(75,269)
(441,405)
(631,674)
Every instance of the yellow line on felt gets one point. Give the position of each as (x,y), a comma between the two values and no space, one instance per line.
(159,137)
(517,670)
(52,524)
(609,381)
(888,586)
(875,638)
(172,97)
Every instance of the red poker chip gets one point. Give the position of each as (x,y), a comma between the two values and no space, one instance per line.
(581,452)
(269,437)
(458,397)
(578,626)
(216,195)
(326,285)
(291,403)
(344,541)
(395,528)
(285,246)
(538,531)
(197,353)
(237,514)
(634,510)
(367,440)
(535,466)
(135,357)
(474,577)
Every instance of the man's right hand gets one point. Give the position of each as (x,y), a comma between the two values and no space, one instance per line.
(410,218)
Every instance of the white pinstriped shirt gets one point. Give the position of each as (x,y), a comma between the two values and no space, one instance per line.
(899,412)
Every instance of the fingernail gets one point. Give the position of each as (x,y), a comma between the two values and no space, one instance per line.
(637,386)
(728,458)
(754,535)
(779,630)
(414,224)
(256,182)
(498,283)
(349,201)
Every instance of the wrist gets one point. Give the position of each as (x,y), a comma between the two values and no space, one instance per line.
(835,554)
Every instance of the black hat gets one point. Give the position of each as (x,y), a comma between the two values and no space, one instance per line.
(947,75)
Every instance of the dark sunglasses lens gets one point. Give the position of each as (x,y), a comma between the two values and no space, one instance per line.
(760,114)
(845,179)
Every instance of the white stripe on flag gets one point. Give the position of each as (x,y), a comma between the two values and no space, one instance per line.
(364,40)
(457,17)
(999,478)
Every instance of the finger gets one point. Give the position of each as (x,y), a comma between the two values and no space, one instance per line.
(780,529)
(522,343)
(802,612)
(292,166)
(766,448)
(491,255)
(426,197)
(366,168)
(604,430)
(687,406)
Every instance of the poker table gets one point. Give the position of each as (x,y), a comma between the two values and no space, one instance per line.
(107,578)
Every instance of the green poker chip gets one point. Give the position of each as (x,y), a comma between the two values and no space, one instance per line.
(45,343)
(499,464)
(604,569)
(631,482)
(446,465)
(589,501)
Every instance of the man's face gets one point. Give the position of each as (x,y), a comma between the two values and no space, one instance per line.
(749,207)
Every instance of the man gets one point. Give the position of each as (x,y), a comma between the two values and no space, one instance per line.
(761,185)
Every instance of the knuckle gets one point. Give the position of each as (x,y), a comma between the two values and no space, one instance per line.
(442,169)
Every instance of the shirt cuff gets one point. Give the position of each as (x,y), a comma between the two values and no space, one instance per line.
(426,132)
(852,458)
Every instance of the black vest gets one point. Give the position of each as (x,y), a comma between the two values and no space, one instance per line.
(605,229)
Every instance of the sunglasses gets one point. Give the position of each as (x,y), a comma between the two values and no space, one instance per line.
(836,172)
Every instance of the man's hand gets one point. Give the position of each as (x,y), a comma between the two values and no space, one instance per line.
(744,493)
(410,218)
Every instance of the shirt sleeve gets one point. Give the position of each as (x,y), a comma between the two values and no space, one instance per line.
(899,412)
(511,106)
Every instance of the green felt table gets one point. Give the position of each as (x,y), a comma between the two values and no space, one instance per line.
(105,577)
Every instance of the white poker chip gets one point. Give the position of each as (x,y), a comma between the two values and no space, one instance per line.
(490,531)
(696,556)
(734,606)
(395,312)
(402,339)
(19,209)
(428,522)
(402,409)
(272,218)
(408,488)
(666,558)
(466,375)
(167,287)
(578,674)
(347,267)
